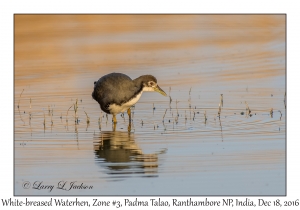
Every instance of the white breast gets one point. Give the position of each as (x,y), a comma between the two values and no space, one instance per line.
(115,109)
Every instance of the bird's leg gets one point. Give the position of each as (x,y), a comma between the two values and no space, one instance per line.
(129,114)
(114,127)
(129,124)
(114,119)
(129,127)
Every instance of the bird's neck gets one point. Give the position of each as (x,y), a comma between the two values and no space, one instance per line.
(139,82)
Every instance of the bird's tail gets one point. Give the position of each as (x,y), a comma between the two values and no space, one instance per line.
(94,94)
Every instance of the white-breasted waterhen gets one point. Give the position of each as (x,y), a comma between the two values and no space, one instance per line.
(117,92)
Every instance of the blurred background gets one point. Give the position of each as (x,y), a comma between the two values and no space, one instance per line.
(241,47)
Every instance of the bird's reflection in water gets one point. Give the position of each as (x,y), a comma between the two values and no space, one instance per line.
(118,152)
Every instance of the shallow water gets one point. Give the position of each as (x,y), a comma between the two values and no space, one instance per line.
(169,148)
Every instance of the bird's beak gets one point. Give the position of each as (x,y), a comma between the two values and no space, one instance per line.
(158,89)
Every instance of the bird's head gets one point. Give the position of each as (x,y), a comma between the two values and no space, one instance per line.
(150,84)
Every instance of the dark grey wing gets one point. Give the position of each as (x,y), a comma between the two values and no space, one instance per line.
(114,88)
(120,88)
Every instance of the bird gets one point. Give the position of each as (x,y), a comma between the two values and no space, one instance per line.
(117,92)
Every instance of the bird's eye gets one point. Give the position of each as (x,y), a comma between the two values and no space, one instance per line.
(151,83)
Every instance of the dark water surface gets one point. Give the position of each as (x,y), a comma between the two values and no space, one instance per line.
(170,149)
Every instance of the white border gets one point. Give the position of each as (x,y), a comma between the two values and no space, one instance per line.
(8,8)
